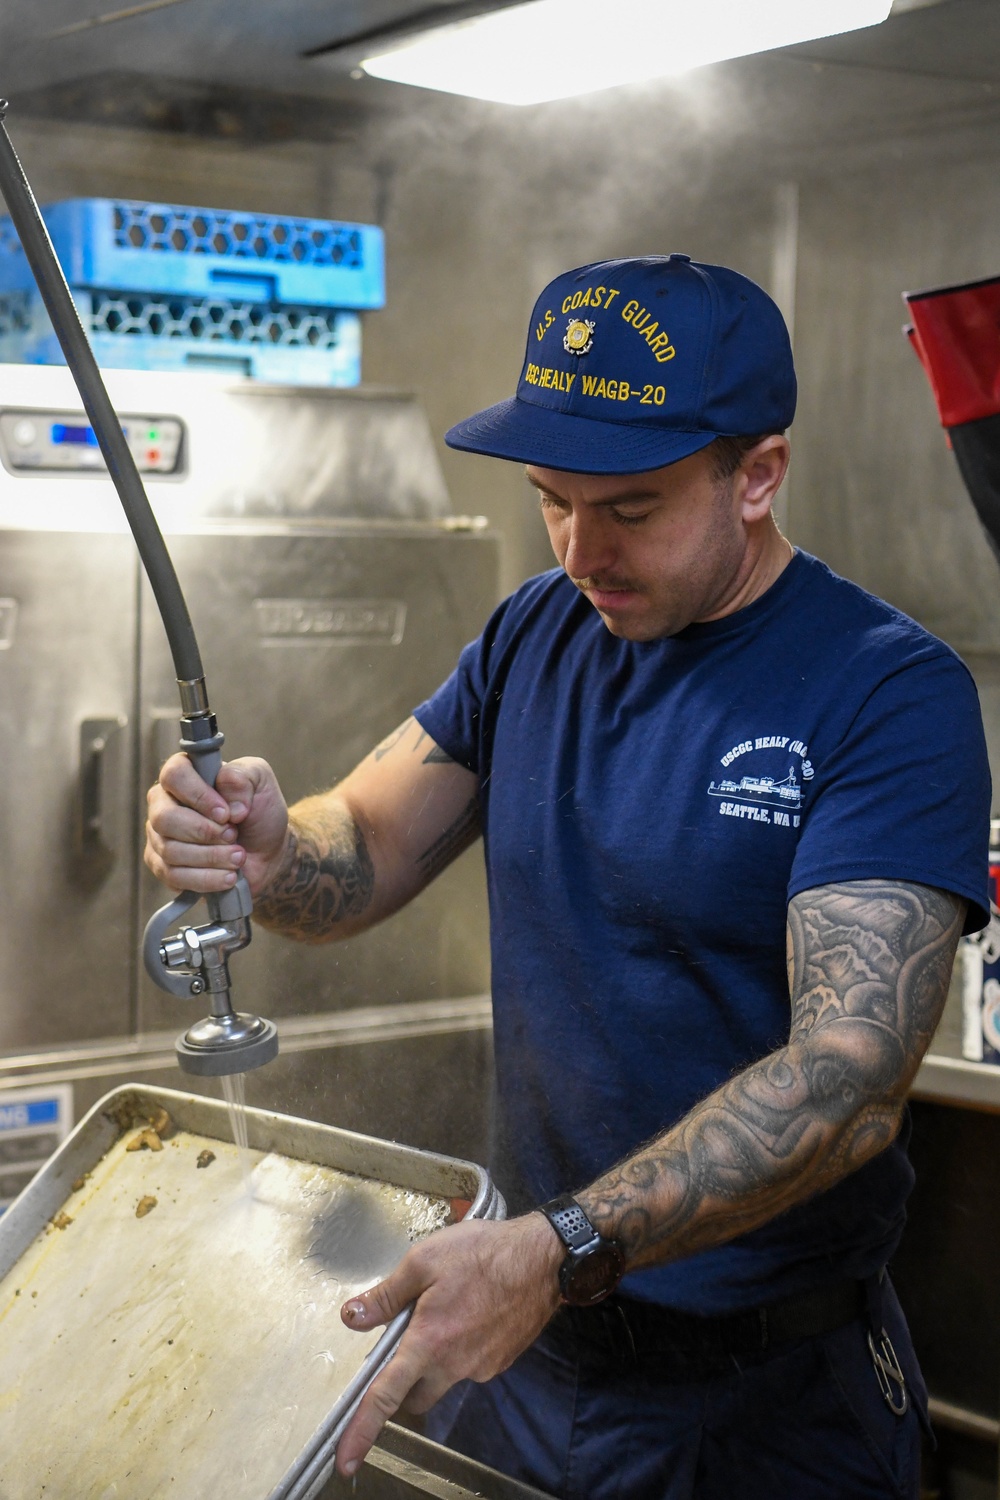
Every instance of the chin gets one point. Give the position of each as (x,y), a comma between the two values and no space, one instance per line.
(640,630)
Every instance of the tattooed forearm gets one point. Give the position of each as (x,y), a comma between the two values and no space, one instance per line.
(869,963)
(326,878)
(463,832)
(356,854)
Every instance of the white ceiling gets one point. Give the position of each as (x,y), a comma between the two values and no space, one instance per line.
(175,64)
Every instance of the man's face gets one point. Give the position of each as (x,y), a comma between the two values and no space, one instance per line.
(653,552)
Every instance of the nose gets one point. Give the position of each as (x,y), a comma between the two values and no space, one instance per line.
(590,549)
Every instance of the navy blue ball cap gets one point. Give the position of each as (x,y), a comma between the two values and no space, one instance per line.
(634,364)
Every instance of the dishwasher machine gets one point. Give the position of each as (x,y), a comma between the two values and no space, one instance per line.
(332,588)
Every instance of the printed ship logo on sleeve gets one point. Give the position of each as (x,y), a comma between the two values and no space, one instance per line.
(759,795)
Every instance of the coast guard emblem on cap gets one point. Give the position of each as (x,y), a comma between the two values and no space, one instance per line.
(579,336)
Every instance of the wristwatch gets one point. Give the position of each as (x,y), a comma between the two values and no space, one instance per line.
(593,1266)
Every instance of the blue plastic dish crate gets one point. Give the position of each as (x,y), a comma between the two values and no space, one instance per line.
(117,245)
(161,286)
(149,331)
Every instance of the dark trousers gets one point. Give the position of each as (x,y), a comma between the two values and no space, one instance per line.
(803,1421)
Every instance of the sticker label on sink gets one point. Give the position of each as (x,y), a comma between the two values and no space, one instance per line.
(33,1122)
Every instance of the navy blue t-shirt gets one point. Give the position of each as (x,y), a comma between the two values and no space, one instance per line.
(649,809)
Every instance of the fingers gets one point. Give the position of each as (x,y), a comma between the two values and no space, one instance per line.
(427,1393)
(381,1401)
(413,1376)
(483,1293)
(199,838)
(184,848)
(227,802)
(185,866)
(381,1303)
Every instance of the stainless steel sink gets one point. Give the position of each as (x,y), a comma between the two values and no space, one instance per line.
(403,1465)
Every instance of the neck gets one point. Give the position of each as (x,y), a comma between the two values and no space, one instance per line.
(766,557)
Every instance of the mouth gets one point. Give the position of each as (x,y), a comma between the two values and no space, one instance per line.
(606,597)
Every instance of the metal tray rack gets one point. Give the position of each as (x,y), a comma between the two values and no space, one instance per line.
(198,1349)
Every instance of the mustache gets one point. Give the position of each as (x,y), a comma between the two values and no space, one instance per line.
(601,583)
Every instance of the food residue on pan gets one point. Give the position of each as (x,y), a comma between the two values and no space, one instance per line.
(146,1140)
(81,1182)
(205,1158)
(62,1220)
(145,1206)
(130,1114)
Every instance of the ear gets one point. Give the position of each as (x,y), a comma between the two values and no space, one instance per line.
(759,477)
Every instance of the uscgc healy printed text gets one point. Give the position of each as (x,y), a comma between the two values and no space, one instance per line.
(760,795)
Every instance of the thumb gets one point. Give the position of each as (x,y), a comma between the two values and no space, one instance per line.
(237,782)
(382,1302)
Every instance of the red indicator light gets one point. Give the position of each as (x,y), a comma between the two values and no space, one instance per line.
(153,456)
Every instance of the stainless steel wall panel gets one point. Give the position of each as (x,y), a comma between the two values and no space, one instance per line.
(67,655)
(875,491)
(317,642)
(331,590)
(419,1074)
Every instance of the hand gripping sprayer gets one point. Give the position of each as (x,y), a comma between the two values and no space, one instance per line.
(195,961)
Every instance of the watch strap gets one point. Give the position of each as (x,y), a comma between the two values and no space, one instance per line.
(570,1222)
(594,1265)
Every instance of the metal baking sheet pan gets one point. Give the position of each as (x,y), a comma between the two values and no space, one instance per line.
(196,1348)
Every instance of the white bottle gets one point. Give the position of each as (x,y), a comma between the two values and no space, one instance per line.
(979,956)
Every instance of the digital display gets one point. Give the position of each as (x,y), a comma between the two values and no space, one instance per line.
(64,442)
(83,437)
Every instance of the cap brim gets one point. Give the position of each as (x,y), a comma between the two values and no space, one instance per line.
(527,434)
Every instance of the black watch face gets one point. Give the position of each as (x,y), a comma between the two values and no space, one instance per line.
(590,1278)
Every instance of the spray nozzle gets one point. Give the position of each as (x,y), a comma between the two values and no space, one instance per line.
(195,962)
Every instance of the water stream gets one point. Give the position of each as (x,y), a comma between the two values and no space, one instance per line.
(234,1089)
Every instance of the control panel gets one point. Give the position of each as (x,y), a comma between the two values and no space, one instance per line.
(34,441)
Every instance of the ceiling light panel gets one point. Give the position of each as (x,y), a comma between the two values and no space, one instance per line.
(555,49)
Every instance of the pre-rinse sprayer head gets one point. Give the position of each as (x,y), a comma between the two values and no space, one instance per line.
(195,960)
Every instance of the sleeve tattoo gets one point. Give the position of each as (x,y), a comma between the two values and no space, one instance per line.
(327,874)
(868,964)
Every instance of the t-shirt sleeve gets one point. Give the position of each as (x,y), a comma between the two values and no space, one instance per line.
(453,715)
(906,794)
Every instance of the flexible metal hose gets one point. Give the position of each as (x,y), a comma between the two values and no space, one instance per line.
(44,263)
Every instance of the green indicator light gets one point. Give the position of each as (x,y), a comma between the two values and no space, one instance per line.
(153,435)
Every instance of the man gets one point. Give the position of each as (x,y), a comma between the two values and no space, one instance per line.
(683,747)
